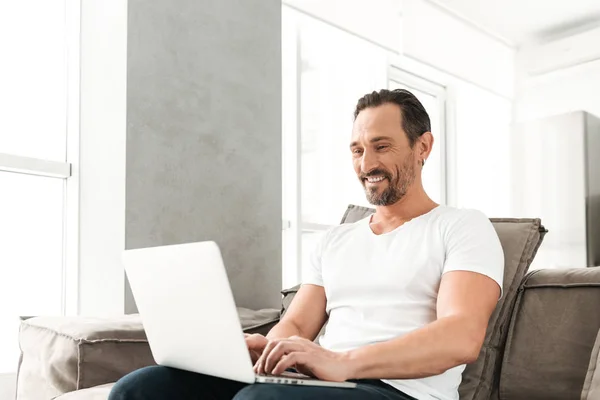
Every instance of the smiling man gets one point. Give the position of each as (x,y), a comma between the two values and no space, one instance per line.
(407,292)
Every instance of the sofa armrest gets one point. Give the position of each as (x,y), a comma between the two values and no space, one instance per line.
(553,329)
(64,354)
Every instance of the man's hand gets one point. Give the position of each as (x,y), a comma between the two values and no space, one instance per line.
(306,357)
(256,344)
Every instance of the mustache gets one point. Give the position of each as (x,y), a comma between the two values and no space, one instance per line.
(376,172)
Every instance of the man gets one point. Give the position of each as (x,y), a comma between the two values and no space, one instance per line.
(407,292)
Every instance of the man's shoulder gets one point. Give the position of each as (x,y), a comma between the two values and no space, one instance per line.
(453,219)
(456,215)
(458,221)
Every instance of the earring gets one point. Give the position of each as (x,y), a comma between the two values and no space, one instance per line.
(423,162)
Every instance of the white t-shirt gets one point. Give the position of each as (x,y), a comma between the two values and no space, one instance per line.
(380,287)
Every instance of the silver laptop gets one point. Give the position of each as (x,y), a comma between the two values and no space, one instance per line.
(189,315)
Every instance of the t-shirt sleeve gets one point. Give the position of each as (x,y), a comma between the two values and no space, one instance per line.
(312,272)
(472,244)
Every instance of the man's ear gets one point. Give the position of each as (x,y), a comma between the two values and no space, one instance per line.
(425,146)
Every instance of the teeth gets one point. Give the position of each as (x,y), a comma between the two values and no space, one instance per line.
(375,179)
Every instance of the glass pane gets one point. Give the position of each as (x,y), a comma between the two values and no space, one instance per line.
(310,239)
(432,173)
(33,78)
(336,70)
(31,233)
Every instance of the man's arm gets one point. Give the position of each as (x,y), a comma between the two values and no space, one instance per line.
(465,303)
(305,316)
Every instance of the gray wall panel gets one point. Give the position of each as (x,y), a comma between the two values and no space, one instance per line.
(204,135)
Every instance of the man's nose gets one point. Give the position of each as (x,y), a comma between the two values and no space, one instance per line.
(368,162)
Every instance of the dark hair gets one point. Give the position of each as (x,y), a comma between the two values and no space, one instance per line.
(415,120)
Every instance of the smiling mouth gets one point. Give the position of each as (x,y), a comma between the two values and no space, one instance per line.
(374,179)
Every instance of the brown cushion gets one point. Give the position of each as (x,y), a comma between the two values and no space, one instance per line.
(552,333)
(520,239)
(591,386)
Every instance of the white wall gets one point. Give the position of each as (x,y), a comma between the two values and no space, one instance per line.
(102,156)
(549,163)
(550,183)
(559,76)
(479,145)
(570,89)
(432,36)
(420,30)
(376,20)
(8,386)
(479,73)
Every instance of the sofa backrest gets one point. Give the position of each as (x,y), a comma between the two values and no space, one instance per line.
(551,337)
(520,239)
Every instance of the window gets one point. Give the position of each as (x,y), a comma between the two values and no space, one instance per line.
(325,71)
(37,75)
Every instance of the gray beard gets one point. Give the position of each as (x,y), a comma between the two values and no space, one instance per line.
(397,186)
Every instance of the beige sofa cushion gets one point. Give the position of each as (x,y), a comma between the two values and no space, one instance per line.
(552,332)
(591,386)
(63,354)
(96,393)
(520,239)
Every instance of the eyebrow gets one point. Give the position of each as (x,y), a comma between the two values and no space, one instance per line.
(374,140)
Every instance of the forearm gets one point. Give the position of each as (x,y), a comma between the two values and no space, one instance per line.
(427,351)
(284,329)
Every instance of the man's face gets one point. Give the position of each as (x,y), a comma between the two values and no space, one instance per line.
(383,159)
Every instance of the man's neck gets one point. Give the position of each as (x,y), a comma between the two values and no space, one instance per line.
(412,205)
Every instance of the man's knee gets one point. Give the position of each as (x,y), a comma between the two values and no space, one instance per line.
(265,392)
(143,384)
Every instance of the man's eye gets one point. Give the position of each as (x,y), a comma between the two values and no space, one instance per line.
(356,151)
(382,147)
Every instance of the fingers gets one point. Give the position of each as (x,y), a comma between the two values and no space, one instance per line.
(288,361)
(254,356)
(280,350)
(255,337)
(273,351)
(256,342)
(259,367)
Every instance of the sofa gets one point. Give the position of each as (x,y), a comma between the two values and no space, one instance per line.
(542,341)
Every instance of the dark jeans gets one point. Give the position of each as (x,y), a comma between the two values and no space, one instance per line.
(163,383)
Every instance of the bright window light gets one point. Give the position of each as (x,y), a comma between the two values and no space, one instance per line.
(33,137)
(331,82)
(33,79)
(31,233)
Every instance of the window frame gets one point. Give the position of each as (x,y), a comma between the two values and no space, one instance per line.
(67,170)
(70,302)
